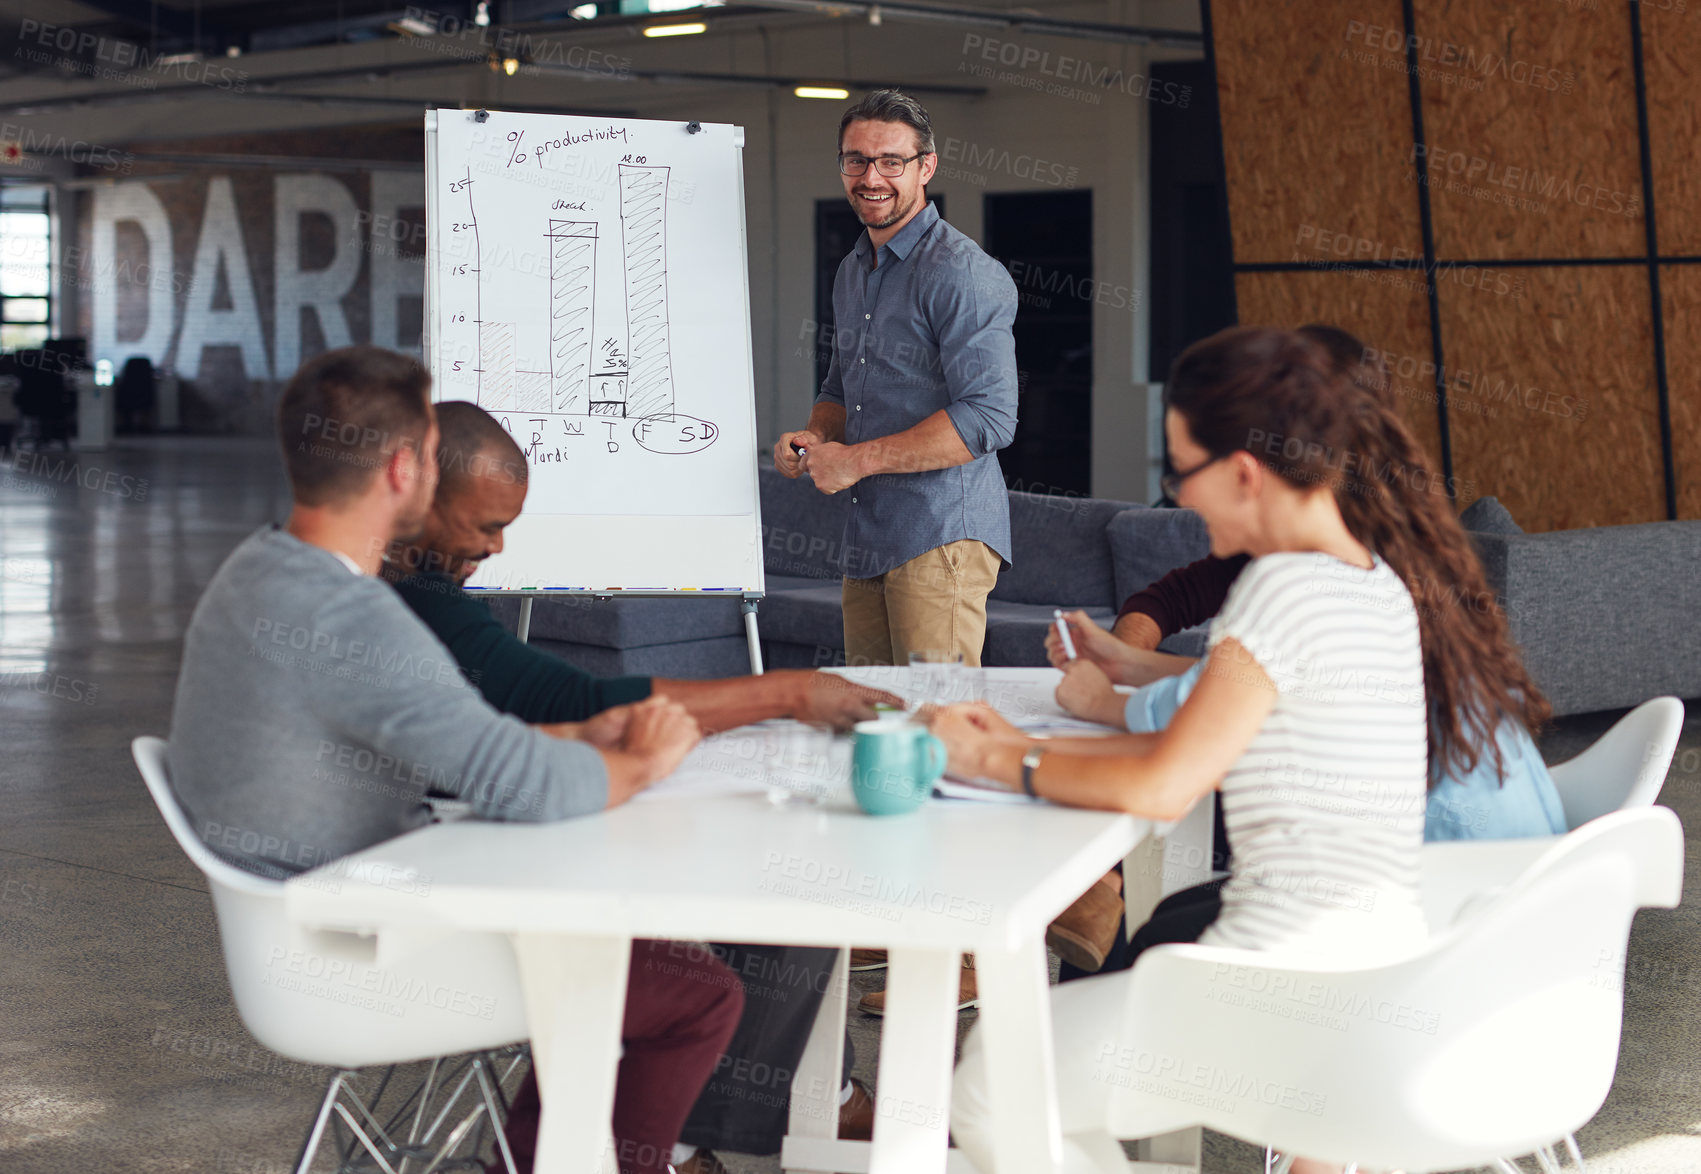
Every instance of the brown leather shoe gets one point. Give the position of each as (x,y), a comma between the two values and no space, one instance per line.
(701,1162)
(856,1116)
(1084,934)
(968,995)
(867,960)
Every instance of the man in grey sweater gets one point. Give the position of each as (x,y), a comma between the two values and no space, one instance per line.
(314,711)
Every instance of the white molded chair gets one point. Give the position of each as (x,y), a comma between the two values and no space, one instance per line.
(318,998)
(1626,767)
(1499,1037)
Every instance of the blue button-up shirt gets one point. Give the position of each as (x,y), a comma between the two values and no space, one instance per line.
(926,329)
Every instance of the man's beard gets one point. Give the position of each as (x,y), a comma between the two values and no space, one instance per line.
(899,211)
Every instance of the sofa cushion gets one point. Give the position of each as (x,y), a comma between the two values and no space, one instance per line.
(780,584)
(811,615)
(802,528)
(1486,515)
(625,623)
(1015,632)
(1059,556)
(1147,544)
(725,656)
(1604,617)
(1187,642)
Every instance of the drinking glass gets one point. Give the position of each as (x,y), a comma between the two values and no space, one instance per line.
(799,763)
(933,678)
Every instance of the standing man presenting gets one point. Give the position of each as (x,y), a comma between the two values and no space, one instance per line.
(919,397)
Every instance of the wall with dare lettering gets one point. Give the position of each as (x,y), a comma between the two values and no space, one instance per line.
(231,278)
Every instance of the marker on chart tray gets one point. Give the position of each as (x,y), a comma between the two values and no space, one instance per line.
(1063,633)
(799,449)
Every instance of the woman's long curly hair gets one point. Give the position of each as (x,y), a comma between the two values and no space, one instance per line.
(1314,418)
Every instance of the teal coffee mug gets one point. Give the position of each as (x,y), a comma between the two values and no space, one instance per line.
(894,766)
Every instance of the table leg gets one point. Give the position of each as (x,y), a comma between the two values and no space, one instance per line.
(815,1088)
(1160,865)
(1015,1026)
(1188,845)
(575,992)
(918,1042)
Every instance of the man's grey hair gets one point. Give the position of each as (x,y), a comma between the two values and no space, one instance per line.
(892,106)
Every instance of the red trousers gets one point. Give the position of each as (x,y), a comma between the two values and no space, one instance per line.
(681,1008)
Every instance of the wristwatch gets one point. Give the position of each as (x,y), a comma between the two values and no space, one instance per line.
(1030,760)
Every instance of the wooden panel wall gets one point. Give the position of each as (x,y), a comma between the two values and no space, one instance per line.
(1528,155)
(1680,296)
(1551,397)
(1386,308)
(1672,51)
(1317,127)
(1529,117)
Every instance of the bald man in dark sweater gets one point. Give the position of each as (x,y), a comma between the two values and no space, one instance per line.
(481,490)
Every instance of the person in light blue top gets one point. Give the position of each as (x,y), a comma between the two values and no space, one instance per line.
(1478,805)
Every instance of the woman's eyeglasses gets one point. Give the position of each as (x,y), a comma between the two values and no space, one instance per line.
(1171,483)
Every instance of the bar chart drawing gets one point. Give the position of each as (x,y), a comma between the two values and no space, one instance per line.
(496,366)
(620,370)
(572,313)
(587,284)
(643,228)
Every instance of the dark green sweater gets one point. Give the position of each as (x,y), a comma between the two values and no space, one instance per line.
(533,685)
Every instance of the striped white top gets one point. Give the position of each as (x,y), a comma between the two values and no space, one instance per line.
(1325,809)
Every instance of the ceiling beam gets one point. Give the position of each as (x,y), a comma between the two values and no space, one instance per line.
(174,23)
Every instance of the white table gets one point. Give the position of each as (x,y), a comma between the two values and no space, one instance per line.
(720,866)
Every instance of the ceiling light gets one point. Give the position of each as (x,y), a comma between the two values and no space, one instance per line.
(412,25)
(676,30)
(233,51)
(510,66)
(178,59)
(482,17)
(874,15)
(584,12)
(833,92)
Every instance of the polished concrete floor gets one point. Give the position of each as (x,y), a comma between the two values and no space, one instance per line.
(119,1047)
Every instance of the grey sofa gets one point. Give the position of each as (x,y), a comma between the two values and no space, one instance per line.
(1606,617)
(1068,552)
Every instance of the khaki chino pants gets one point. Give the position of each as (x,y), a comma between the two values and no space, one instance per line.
(936,602)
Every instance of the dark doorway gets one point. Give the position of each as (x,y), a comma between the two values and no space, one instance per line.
(1045,240)
(1192,257)
(836,230)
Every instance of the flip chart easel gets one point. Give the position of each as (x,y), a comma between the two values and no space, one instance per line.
(587,283)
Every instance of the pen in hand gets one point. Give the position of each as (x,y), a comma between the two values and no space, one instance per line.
(1063,633)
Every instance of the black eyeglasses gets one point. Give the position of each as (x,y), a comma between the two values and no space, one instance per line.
(1171,483)
(888,165)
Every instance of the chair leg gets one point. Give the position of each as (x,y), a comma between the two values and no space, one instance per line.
(456,1136)
(317,1131)
(449,1105)
(364,1140)
(424,1100)
(496,1122)
(1575,1150)
(1506,1166)
(1548,1160)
